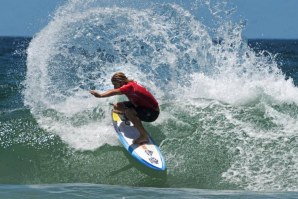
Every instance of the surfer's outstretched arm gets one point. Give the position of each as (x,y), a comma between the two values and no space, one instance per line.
(108,93)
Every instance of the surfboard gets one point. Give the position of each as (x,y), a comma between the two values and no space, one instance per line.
(148,154)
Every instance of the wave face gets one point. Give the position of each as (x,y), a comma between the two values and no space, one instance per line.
(229,114)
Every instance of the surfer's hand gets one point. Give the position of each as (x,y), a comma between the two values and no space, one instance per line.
(96,94)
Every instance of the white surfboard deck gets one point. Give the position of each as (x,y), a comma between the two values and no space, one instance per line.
(148,154)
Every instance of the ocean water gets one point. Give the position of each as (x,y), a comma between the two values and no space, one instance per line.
(229,106)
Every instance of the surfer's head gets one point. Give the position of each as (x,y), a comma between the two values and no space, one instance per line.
(119,79)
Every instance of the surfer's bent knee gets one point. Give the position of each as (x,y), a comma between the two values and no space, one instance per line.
(118,108)
(131,111)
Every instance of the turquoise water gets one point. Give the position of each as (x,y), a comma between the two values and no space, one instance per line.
(228,106)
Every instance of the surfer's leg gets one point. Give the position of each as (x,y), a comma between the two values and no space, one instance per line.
(119,108)
(128,109)
(131,114)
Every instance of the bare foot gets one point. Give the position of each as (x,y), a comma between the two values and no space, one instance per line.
(141,140)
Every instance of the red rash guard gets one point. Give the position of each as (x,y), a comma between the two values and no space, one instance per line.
(138,95)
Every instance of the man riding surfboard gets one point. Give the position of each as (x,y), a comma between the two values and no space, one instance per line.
(142,105)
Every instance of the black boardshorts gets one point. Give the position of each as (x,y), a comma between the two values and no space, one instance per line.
(145,114)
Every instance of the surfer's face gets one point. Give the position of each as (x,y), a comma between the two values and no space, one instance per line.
(117,84)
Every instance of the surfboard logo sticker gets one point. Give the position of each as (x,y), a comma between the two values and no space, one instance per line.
(153,160)
(148,152)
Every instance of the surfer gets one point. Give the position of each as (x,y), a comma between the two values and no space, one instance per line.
(142,106)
